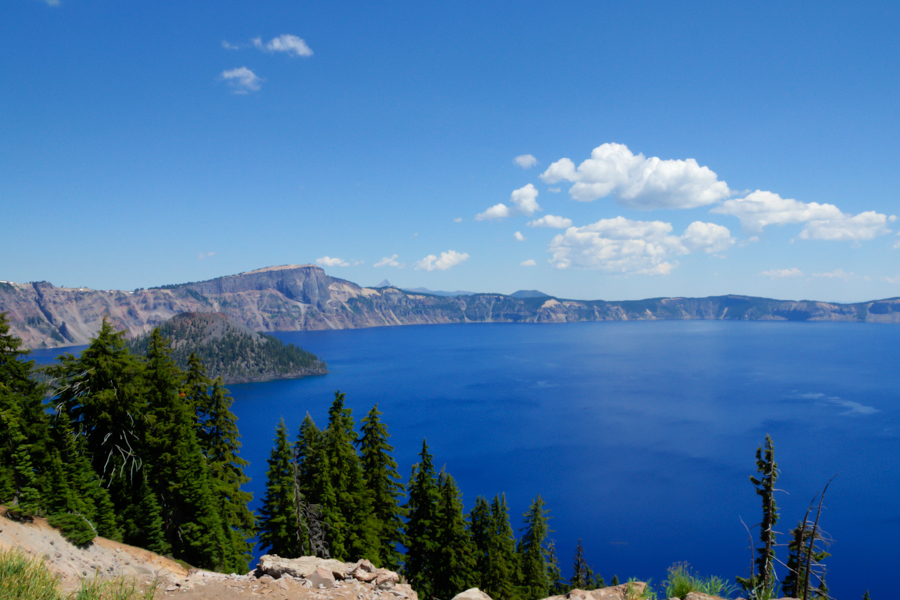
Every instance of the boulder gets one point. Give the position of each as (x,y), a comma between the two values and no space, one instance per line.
(321,578)
(472,594)
(618,592)
(274,565)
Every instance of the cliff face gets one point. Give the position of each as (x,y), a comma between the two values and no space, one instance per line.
(294,298)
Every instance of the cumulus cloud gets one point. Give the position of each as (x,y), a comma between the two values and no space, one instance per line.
(229,46)
(447,259)
(636,181)
(782,273)
(526,161)
(389,261)
(760,209)
(457,220)
(621,245)
(551,221)
(289,44)
(528,263)
(524,202)
(242,79)
(204,255)
(327,261)
(519,237)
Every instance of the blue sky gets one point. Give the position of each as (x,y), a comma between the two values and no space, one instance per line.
(586,149)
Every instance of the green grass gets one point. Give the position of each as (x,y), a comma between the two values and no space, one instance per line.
(681,582)
(27,578)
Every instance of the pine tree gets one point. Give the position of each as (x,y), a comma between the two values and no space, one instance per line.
(614,581)
(382,480)
(219,433)
(866,596)
(532,555)
(24,453)
(763,578)
(353,529)
(502,563)
(454,556)
(480,527)
(554,575)
(178,470)
(580,570)
(421,506)
(314,494)
(279,531)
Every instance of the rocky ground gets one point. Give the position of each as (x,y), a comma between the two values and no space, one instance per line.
(306,578)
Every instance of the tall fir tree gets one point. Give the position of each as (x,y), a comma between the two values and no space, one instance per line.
(763,576)
(554,575)
(502,559)
(352,527)
(480,523)
(532,553)
(279,530)
(454,556)
(178,472)
(581,571)
(421,508)
(24,451)
(382,480)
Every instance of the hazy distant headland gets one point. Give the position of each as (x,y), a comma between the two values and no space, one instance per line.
(304,297)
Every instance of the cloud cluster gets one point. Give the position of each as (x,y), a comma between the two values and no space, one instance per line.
(636,181)
(327,261)
(821,221)
(551,221)
(447,259)
(621,245)
(389,261)
(519,237)
(242,79)
(289,44)
(528,263)
(526,161)
(524,202)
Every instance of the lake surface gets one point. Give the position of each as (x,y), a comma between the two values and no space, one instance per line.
(640,436)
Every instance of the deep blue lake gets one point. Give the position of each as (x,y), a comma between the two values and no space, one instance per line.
(640,436)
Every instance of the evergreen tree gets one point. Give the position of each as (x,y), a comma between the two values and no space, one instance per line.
(614,581)
(763,577)
(146,523)
(196,394)
(502,563)
(352,527)
(454,558)
(580,570)
(382,480)
(219,433)
(866,596)
(554,575)
(532,555)
(24,454)
(178,474)
(279,530)
(314,494)
(480,527)
(421,506)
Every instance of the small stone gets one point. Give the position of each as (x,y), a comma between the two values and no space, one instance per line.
(57,554)
(266,579)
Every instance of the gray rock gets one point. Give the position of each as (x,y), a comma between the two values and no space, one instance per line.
(322,578)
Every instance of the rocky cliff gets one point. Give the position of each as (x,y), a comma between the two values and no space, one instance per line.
(290,298)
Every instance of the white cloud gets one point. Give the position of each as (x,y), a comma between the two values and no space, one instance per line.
(707,237)
(448,259)
(518,235)
(327,261)
(289,44)
(229,46)
(782,273)
(528,263)
(551,221)
(638,182)
(524,202)
(242,79)
(554,190)
(457,220)
(497,211)
(893,280)
(624,246)
(389,261)
(822,221)
(836,274)
(526,161)
(203,255)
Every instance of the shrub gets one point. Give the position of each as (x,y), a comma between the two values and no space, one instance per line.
(681,582)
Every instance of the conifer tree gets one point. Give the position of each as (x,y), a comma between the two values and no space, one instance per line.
(580,570)
(554,575)
(178,470)
(146,522)
(454,558)
(763,577)
(480,527)
(353,530)
(502,563)
(421,507)
(382,480)
(614,581)
(314,494)
(532,555)
(279,531)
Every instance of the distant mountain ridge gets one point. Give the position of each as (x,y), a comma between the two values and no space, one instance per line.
(304,297)
(231,350)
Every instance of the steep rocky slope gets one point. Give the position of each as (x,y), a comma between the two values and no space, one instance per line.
(290,298)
